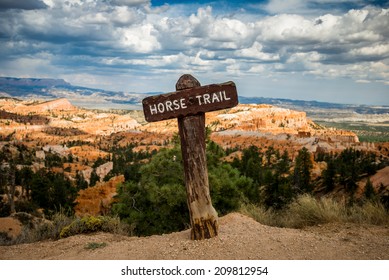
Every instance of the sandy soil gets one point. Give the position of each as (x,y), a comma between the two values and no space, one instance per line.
(239,237)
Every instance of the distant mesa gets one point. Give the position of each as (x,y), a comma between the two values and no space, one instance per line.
(44,82)
(36,106)
(92,98)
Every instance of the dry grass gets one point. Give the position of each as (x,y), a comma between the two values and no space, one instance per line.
(306,210)
(61,226)
(35,229)
(370,212)
(260,214)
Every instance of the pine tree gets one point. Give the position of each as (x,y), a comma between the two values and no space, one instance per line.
(302,171)
(329,175)
(81,183)
(369,190)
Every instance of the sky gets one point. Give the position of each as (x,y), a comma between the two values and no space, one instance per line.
(324,50)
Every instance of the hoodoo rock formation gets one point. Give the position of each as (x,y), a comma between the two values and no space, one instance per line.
(84,136)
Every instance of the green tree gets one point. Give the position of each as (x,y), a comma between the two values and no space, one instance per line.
(302,171)
(250,165)
(52,191)
(277,191)
(369,192)
(349,169)
(94,178)
(157,203)
(8,184)
(81,183)
(283,164)
(53,160)
(228,188)
(99,161)
(329,175)
(23,178)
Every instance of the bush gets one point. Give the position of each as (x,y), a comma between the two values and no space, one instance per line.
(261,214)
(60,226)
(5,239)
(306,210)
(157,203)
(37,229)
(89,224)
(370,212)
(152,209)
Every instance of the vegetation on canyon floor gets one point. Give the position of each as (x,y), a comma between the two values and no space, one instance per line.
(267,184)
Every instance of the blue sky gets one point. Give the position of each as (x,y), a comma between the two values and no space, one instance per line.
(326,50)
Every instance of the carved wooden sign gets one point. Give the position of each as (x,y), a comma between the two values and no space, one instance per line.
(189,104)
(190,101)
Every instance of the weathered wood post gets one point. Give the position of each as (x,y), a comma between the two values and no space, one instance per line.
(203,217)
(189,104)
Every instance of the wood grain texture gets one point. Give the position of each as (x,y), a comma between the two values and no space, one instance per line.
(203,216)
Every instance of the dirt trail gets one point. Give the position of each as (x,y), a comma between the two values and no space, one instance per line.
(240,237)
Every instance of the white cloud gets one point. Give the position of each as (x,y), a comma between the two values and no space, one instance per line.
(255,52)
(203,29)
(286,28)
(156,10)
(139,39)
(379,50)
(257,69)
(123,16)
(118,37)
(363,81)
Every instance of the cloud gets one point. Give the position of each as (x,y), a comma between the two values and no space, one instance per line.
(129,3)
(371,52)
(139,39)
(255,52)
(22,5)
(156,10)
(115,38)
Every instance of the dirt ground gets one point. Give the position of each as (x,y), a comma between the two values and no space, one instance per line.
(240,237)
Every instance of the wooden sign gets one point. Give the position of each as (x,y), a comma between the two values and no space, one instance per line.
(190,101)
(189,104)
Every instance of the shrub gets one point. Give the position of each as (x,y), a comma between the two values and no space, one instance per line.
(89,224)
(370,212)
(95,245)
(152,209)
(5,239)
(158,204)
(306,210)
(61,225)
(37,229)
(260,214)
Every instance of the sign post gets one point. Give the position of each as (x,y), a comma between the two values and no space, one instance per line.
(189,104)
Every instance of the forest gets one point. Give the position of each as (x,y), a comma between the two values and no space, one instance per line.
(152,200)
